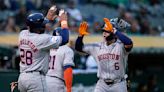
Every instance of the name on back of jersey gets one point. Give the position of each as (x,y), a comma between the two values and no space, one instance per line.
(29,43)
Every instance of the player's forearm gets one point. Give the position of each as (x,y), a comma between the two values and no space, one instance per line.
(68,76)
(128,44)
(65,36)
(124,39)
(79,43)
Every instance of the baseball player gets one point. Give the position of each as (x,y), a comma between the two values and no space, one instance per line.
(34,48)
(111,56)
(60,68)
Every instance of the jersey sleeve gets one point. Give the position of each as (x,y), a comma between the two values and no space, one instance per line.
(123,49)
(68,58)
(48,42)
(90,48)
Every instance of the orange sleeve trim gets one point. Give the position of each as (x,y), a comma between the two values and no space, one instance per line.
(68,77)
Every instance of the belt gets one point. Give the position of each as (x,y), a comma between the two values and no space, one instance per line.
(111,82)
(40,72)
(58,78)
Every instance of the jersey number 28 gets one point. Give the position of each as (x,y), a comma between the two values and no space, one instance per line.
(26,57)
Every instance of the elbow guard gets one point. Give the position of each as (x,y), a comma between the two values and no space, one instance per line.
(126,40)
(79,44)
(64,33)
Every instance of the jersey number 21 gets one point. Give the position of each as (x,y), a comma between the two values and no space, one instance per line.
(52,62)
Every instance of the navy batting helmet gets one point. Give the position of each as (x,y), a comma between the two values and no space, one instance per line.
(64,33)
(57,31)
(36,22)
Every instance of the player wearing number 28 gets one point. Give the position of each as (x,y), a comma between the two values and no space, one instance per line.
(111,56)
(34,46)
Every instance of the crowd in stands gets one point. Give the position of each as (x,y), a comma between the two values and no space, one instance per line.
(145,16)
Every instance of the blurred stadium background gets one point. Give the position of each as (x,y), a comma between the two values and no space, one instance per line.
(146,61)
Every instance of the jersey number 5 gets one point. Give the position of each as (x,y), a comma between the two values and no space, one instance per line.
(26,57)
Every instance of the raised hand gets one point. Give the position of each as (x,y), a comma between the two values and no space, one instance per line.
(108,26)
(51,15)
(83,29)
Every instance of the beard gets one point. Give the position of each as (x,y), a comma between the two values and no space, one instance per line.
(110,37)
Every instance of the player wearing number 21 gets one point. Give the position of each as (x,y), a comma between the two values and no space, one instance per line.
(110,55)
(59,76)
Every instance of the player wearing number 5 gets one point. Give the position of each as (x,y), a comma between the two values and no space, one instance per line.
(111,57)
(34,48)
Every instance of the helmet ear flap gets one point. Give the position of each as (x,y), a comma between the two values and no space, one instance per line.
(57,31)
(28,23)
(54,33)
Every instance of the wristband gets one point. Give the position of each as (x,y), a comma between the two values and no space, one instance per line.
(64,24)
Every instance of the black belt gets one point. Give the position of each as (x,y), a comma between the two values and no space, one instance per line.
(58,78)
(40,72)
(111,82)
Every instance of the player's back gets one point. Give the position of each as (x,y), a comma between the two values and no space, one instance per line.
(34,51)
(58,59)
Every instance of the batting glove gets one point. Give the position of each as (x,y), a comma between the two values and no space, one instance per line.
(108,26)
(83,29)
(120,23)
(51,15)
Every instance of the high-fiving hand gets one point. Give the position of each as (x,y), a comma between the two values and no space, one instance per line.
(108,26)
(120,23)
(83,29)
(51,15)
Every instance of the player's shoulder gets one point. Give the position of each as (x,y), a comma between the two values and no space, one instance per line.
(44,37)
(95,44)
(118,42)
(66,48)
(24,32)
